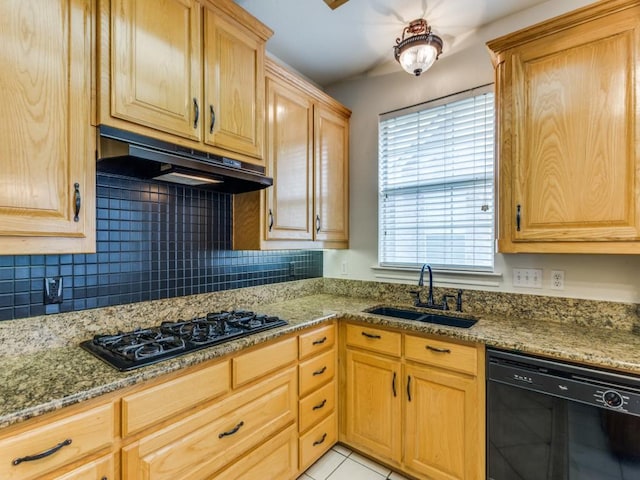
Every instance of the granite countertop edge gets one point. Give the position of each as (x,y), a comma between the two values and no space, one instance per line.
(46,381)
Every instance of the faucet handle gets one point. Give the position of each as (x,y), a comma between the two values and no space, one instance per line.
(459,301)
(416,294)
(445,305)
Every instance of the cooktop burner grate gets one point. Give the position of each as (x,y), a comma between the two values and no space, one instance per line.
(140,347)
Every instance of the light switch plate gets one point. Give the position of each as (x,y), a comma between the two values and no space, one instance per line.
(527,277)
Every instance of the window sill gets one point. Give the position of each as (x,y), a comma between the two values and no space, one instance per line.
(442,277)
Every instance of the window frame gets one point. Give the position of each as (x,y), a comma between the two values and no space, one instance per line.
(487,181)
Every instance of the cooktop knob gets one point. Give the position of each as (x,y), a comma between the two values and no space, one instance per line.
(612,399)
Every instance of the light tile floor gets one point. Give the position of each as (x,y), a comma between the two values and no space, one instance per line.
(340,463)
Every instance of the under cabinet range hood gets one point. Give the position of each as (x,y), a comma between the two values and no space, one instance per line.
(134,155)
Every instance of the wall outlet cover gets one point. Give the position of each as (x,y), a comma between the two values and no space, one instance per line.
(557,279)
(52,290)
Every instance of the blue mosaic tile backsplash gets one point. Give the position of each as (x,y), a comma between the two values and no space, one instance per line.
(154,240)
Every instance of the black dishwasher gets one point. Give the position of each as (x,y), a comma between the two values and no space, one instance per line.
(550,420)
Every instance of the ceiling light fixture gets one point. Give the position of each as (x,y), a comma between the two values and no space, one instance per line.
(416,53)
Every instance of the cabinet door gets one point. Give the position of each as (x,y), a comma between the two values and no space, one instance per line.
(290,163)
(46,142)
(234,87)
(443,435)
(373,402)
(569,156)
(331,175)
(156,65)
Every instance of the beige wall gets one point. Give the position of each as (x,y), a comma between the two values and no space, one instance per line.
(605,277)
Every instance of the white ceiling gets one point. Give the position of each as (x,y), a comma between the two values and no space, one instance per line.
(330,45)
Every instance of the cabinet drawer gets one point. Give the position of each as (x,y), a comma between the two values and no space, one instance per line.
(316,371)
(374,339)
(252,365)
(88,432)
(277,458)
(317,441)
(209,440)
(100,468)
(316,340)
(316,406)
(143,409)
(461,358)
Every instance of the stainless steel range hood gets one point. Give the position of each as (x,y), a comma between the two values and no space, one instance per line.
(130,154)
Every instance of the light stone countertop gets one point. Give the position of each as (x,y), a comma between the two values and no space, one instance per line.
(60,373)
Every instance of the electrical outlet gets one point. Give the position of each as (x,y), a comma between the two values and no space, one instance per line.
(292,269)
(557,279)
(344,269)
(527,277)
(52,290)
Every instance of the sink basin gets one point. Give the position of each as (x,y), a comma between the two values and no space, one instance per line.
(437,318)
(397,313)
(448,320)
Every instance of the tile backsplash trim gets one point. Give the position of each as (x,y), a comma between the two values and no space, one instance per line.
(154,241)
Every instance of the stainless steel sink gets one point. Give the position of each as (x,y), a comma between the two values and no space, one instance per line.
(437,318)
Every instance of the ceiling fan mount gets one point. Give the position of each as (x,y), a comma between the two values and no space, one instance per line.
(333,4)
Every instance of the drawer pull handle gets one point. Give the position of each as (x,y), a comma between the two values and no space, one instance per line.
(318,442)
(212,113)
(438,350)
(320,342)
(320,372)
(369,335)
(232,431)
(409,387)
(46,453)
(320,405)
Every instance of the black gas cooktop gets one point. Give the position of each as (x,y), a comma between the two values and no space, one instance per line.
(129,350)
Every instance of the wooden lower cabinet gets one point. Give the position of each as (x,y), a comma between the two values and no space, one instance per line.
(422,411)
(373,404)
(69,437)
(318,440)
(318,390)
(205,442)
(142,409)
(277,459)
(442,424)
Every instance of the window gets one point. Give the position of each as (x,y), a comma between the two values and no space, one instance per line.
(436,183)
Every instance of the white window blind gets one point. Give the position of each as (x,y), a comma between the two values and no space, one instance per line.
(436,183)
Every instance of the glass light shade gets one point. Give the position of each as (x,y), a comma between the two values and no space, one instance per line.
(418,58)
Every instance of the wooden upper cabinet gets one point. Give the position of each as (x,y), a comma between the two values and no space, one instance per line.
(234,86)
(331,175)
(569,139)
(307,155)
(46,143)
(187,72)
(156,65)
(290,162)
